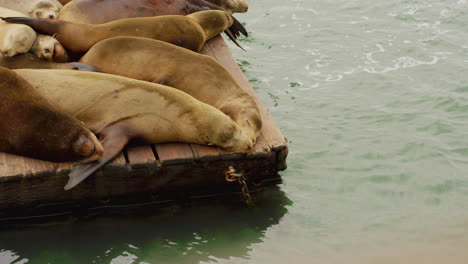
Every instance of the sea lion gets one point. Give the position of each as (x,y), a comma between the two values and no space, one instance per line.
(44,9)
(48,48)
(121,109)
(31,61)
(14,39)
(38,8)
(103,11)
(198,75)
(32,127)
(189,31)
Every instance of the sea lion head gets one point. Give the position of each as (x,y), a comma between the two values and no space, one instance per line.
(240,6)
(48,48)
(231,137)
(234,6)
(17,40)
(44,9)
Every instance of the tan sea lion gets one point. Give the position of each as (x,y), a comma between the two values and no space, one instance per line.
(121,109)
(48,48)
(14,39)
(44,9)
(32,127)
(31,61)
(34,8)
(198,75)
(189,31)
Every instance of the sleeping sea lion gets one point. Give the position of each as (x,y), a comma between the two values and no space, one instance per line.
(189,31)
(48,48)
(31,61)
(32,127)
(198,75)
(34,8)
(14,39)
(121,109)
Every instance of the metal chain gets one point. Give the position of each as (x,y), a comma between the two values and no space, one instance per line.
(232,176)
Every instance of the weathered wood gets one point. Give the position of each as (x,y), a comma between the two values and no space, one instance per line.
(140,156)
(174,153)
(205,153)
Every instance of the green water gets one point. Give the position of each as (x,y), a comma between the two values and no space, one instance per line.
(373,97)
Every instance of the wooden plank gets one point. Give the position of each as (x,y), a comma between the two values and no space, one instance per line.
(139,156)
(118,161)
(205,153)
(14,165)
(174,153)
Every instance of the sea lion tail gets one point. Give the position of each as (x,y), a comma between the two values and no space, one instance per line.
(43,26)
(114,140)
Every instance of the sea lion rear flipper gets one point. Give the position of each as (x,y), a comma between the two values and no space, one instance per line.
(233,38)
(114,141)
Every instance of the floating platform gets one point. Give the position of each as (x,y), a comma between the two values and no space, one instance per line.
(158,173)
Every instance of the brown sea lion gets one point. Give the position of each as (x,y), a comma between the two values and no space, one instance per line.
(34,8)
(121,109)
(189,31)
(31,61)
(103,11)
(32,127)
(198,75)
(14,39)
(49,49)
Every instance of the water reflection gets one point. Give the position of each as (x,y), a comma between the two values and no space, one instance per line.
(172,235)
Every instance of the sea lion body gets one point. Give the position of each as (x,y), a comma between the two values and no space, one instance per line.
(33,127)
(14,39)
(121,109)
(189,31)
(198,75)
(48,48)
(103,11)
(31,61)
(38,8)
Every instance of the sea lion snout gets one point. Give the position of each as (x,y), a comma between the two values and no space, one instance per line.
(88,147)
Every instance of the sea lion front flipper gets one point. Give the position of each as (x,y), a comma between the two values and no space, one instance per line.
(114,140)
(43,26)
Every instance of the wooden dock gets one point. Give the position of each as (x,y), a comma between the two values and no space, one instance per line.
(148,173)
